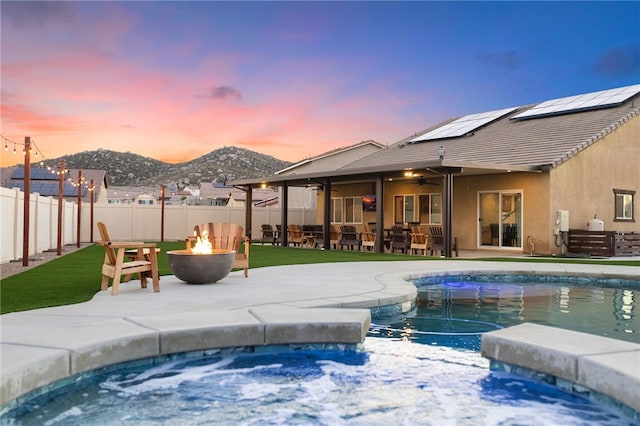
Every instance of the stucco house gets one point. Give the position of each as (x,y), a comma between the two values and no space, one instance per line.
(514,179)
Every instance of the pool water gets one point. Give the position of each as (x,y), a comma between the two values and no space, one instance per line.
(455,313)
(391,382)
(422,368)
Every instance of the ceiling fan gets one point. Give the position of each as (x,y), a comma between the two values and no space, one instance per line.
(423,181)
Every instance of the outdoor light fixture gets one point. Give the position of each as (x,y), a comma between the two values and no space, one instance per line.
(441,152)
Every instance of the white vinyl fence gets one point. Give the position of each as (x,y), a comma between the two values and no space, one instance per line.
(131,222)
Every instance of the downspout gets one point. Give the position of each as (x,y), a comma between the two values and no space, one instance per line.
(448,206)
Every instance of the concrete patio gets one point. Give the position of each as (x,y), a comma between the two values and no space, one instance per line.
(270,307)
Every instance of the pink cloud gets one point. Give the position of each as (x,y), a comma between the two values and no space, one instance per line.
(85,98)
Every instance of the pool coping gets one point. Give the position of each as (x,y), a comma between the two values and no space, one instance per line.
(271,307)
(574,361)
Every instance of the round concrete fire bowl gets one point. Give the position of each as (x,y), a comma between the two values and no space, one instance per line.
(195,268)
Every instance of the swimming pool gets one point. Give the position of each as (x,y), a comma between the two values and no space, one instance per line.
(455,310)
(398,378)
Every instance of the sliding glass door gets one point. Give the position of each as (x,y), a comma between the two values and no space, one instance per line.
(500,219)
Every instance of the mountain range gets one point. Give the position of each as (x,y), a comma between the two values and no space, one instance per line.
(128,169)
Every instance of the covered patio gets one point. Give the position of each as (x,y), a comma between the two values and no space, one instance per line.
(440,173)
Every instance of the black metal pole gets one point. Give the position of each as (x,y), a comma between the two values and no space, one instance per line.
(448,204)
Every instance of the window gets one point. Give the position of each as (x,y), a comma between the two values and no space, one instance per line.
(218,202)
(347,210)
(336,210)
(353,210)
(430,206)
(404,207)
(145,202)
(623,205)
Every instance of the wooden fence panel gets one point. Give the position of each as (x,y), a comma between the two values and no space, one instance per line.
(627,244)
(593,243)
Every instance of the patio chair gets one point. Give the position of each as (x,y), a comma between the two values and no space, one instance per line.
(437,241)
(268,235)
(368,239)
(294,234)
(495,233)
(510,236)
(278,235)
(318,236)
(349,237)
(228,236)
(399,239)
(242,259)
(143,261)
(419,240)
(333,236)
(308,235)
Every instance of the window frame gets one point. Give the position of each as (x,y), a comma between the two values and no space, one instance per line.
(352,214)
(427,208)
(336,209)
(622,194)
(402,206)
(354,210)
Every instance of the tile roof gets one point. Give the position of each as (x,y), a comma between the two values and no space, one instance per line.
(331,153)
(537,142)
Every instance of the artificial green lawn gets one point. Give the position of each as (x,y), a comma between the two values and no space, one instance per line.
(75,277)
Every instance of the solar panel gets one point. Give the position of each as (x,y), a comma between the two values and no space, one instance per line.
(588,101)
(37,173)
(49,189)
(463,125)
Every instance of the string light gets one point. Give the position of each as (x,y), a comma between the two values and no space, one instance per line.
(33,148)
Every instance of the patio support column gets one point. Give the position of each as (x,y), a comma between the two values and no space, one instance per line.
(326,221)
(284,214)
(380,214)
(448,204)
(247,212)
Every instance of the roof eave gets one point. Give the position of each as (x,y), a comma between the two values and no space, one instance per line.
(371,171)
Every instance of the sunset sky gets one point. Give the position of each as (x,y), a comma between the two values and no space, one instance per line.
(176,80)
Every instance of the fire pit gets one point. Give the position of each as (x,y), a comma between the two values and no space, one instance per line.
(197,268)
(201,264)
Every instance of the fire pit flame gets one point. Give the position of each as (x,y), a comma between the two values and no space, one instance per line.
(202,245)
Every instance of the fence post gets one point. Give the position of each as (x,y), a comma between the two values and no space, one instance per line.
(16,222)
